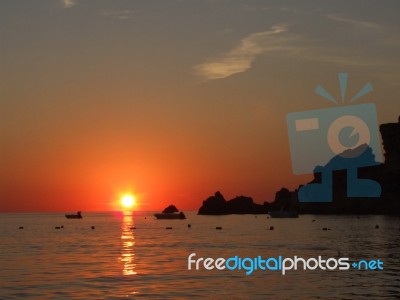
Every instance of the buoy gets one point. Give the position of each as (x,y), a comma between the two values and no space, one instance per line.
(376,226)
(218,228)
(325,228)
(271,227)
(93,227)
(313,220)
(62,226)
(21,227)
(168,227)
(189,226)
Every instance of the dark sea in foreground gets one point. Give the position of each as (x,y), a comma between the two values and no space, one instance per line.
(114,261)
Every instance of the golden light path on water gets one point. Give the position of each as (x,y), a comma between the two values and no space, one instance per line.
(128,243)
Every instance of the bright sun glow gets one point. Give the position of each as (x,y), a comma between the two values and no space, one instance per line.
(127,201)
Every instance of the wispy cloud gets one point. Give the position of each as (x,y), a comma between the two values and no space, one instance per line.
(306,44)
(240,58)
(363,24)
(68,3)
(346,60)
(119,14)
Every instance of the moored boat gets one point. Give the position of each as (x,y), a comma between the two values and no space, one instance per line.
(172,216)
(78,215)
(171,212)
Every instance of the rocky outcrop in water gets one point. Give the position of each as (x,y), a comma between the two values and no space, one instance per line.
(217,205)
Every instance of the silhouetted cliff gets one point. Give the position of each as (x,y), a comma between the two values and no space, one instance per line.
(284,200)
(386,174)
(390,133)
(217,205)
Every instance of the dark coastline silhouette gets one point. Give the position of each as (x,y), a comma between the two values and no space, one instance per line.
(386,174)
(217,205)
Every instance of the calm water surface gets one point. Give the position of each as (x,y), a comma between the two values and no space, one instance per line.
(114,261)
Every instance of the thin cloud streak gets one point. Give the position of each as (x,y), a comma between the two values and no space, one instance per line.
(240,58)
(364,24)
(280,41)
(119,14)
(340,60)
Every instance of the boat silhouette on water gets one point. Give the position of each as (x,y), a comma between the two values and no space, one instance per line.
(78,215)
(170,213)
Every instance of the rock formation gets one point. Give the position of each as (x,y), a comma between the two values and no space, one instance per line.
(387,175)
(217,205)
(390,133)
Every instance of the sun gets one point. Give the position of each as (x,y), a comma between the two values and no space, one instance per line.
(127,201)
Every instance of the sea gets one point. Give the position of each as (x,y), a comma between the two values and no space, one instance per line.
(114,255)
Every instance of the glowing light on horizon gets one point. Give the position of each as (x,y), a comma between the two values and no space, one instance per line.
(127,201)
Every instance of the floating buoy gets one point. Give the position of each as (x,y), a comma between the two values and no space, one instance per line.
(21,227)
(189,226)
(271,227)
(168,227)
(218,228)
(93,227)
(62,226)
(313,221)
(325,229)
(376,226)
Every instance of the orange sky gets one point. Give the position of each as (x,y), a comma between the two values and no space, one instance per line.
(172,101)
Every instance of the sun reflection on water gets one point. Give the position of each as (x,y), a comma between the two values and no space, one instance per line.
(128,244)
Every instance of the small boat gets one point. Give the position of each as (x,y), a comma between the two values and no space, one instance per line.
(169,216)
(283,214)
(73,216)
(171,213)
